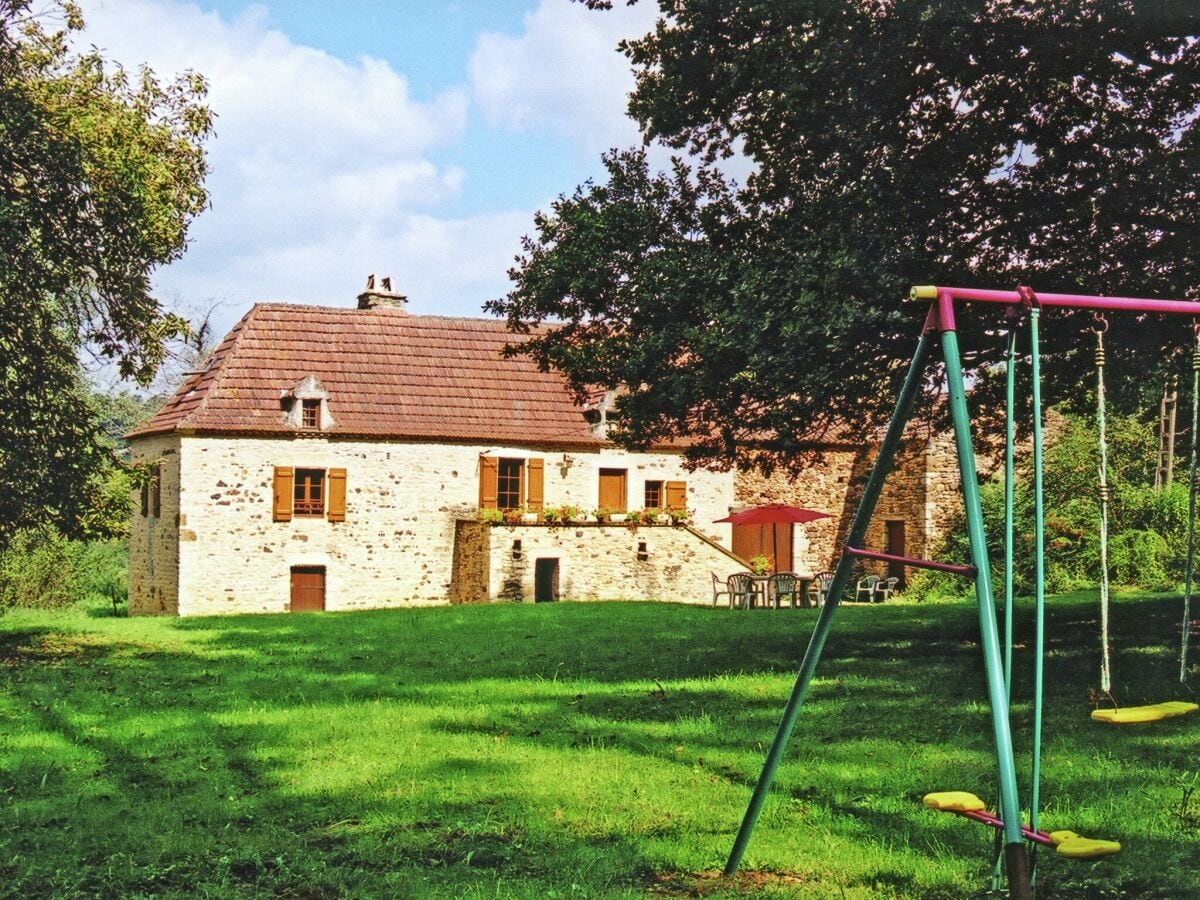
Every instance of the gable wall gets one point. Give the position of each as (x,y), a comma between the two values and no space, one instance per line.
(396,546)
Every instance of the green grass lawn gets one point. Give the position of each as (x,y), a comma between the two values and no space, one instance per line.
(565,750)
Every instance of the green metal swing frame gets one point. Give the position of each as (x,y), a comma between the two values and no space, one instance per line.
(940,324)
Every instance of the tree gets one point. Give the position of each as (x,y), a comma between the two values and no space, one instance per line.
(99,181)
(893,142)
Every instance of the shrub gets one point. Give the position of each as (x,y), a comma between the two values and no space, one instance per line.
(38,569)
(103,573)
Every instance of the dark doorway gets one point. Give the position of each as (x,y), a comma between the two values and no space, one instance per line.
(545,580)
(894,543)
(308,588)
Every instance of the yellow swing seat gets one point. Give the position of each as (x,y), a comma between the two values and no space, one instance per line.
(1154,712)
(1066,843)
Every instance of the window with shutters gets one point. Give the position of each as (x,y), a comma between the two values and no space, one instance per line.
(310,494)
(509,483)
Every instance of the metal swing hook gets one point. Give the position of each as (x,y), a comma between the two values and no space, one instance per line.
(1099,326)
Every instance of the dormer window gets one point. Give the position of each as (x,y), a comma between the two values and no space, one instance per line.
(305,406)
(310,413)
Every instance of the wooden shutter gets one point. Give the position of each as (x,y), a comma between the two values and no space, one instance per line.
(145,498)
(283,493)
(489,470)
(675,495)
(336,502)
(613,494)
(536,498)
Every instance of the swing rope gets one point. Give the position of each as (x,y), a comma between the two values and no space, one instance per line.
(1186,627)
(1099,326)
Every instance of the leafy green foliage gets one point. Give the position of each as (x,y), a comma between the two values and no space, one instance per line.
(38,570)
(892,143)
(99,180)
(1147,527)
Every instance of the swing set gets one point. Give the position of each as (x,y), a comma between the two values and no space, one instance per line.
(1017,863)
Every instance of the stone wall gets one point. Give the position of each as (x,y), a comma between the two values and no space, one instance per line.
(922,492)
(606,562)
(396,545)
(154,540)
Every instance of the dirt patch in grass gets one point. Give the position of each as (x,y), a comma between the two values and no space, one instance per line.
(712,882)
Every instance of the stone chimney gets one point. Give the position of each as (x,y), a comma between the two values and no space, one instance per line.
(382,297)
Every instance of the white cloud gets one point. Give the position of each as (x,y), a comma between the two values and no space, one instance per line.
(318,164)
(563,71)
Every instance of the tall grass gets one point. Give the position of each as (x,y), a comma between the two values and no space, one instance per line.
(562,750)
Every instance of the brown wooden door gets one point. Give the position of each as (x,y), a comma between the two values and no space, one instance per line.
(750,541)
(308,588)
(894,543)
(614,494)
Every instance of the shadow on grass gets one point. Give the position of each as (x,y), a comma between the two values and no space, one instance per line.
(433,752)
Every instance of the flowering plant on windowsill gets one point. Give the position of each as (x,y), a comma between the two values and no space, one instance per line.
(679,516)
(491,516)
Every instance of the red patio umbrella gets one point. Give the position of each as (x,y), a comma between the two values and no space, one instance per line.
(775,514)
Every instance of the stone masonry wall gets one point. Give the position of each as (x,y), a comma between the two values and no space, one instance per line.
(922,491)
(396,546)
(153,540)
(607,562)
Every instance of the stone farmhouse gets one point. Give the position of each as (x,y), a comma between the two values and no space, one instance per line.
(336,458)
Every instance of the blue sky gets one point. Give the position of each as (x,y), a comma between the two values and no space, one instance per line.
(412,139)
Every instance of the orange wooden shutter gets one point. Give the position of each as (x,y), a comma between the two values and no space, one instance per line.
(283,493)
(489,470)
(336,507)
(537,485)
(676,495)
(613,493)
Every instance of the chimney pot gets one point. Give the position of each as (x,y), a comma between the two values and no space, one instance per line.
(382,297)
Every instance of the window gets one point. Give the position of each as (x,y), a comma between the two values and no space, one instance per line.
(654,495)
(507,483)
(669,495)
(152,492)
(310,413)
(509,478)
(308,493)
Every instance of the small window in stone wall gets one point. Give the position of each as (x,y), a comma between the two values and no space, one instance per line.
(310,413)
(653,495)
(152,492)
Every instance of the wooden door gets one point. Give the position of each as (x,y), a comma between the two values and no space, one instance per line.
(308,588)
(614,494)
(750,541)
(894,543)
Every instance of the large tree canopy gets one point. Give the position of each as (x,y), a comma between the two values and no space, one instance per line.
(892,142)
(99,180)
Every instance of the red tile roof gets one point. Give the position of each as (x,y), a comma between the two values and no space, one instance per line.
(388,374)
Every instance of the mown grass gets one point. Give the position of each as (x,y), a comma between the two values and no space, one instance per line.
(566,750)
